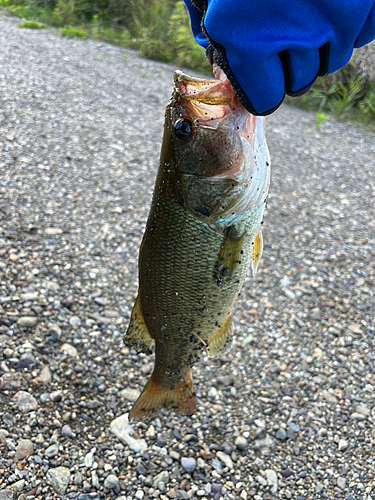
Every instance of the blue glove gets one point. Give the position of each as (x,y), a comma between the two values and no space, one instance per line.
(269,48)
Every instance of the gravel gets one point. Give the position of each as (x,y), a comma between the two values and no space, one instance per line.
(288,413)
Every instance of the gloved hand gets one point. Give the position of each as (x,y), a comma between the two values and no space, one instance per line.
(269,48)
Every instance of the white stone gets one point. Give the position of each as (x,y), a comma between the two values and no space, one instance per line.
(271,479)
(123,431)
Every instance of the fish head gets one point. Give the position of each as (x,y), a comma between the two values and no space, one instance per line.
(215,144)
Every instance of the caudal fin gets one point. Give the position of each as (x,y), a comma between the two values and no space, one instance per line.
(180,397)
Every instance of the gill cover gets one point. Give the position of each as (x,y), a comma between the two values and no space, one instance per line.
(223,166)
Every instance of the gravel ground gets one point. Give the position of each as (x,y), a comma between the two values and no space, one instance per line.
(288,414)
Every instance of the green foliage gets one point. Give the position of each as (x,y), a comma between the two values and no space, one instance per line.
(64,12)
(71,32)
(32,25)
(186,52)
(344,94)
(319,119)
(367,105)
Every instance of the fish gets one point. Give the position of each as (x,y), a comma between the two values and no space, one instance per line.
(202,234)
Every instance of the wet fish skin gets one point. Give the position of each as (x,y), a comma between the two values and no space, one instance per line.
(200,234)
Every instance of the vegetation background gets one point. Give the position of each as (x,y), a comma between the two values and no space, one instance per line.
(160,30)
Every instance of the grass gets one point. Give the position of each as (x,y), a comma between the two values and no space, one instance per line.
(72,32)
(34,25)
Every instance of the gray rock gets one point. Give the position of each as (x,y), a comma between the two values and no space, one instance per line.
(188,464)
(7,495)
(358,416)
(55,396)
(110,481)
(18,486)
(225,459)
(162,477)
(271,477)
(53,231)
(45,375)
(89,459)
(27,321)
(129,394)
(52,450)
(241,443)
(3,434)
(77,478)
(94,479)
(281,434)
(74,321)
(25,448)
(25,401)
(55,331)
(66,431)
(26,360)
(58,478)
(69,350)
(329,397)
(343,445)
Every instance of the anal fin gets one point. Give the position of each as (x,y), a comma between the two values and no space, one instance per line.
(257,252)
(180,397)
(137,335)
(221,340)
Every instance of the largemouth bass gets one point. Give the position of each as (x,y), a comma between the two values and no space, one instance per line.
(202,234)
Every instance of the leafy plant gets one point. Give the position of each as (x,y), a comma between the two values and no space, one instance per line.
(319,119)
(367,104)
(64,12)
(32,25)
(71,32)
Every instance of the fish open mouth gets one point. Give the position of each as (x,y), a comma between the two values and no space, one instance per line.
(207,102)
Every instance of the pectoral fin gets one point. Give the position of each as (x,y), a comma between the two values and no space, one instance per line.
(137,335)
(221,340)
(230,256)
(257,252)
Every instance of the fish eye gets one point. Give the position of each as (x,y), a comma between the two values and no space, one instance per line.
(183,129)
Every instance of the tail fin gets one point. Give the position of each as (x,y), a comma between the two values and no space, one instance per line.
(180,397)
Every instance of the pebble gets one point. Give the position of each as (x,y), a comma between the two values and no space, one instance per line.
(25,448)
(111,481)
(59,479)
(225,459)
(123,430)
(55,332)
(66,431)
(329,397)
(52,450)
(74,321)
(26,360)
(6,495)
(281,434)
(188,464)
(130,394)
(27,321)
(25,401)
(70,350)
(241,443)
(162,477)
(271,477)
(45,375)
(343,445)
